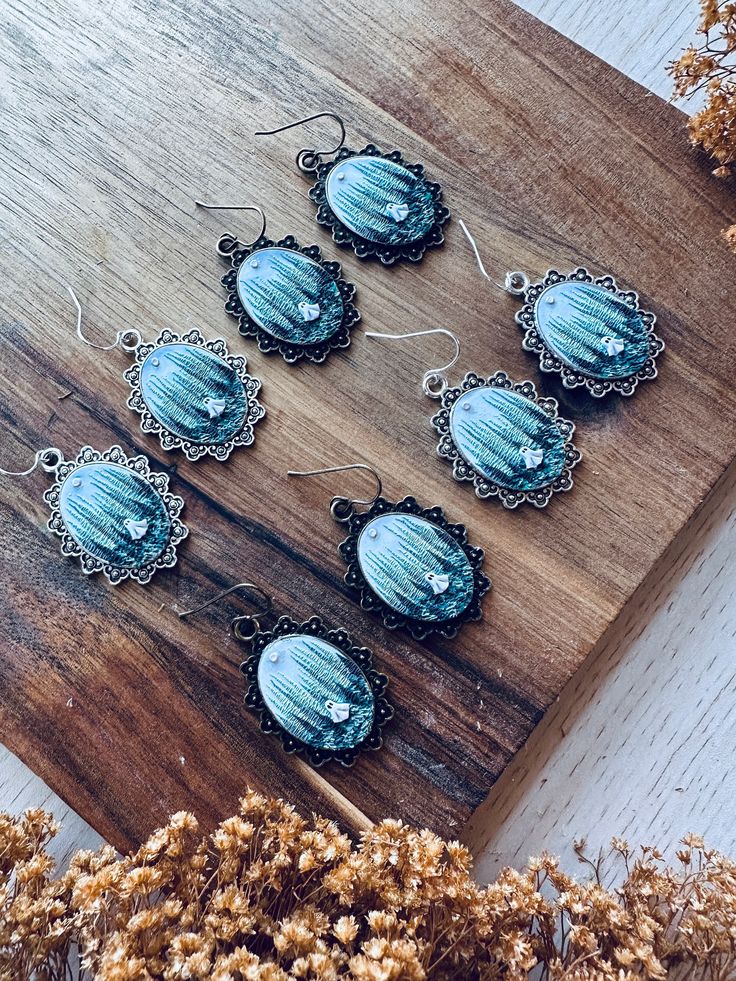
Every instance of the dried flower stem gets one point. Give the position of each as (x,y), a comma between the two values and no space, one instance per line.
(711,67)
(271,896)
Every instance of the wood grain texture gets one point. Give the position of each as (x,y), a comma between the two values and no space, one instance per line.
(640,742)
(115,127)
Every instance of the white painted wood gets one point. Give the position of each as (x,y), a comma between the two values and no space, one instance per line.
(638,38)
(640,743)
(20,788)
(641,740)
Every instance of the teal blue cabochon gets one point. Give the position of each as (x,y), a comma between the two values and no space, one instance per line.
(593,330)
(590,332)
(115,515)
(380,200)
(415,567)
(290,296)
(507,438)
(316,692)
(511,443)
(193,393)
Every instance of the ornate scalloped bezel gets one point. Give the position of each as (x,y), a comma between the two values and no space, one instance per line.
(363,247)
(462,471)
(169,440)
(550,362)
(369,600)
(291,353)
(159,481)
(363,660)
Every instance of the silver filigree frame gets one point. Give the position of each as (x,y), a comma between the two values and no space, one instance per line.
(171,441)
(484,488)
(71,548)
(550,362)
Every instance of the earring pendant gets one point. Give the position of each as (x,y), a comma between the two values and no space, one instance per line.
(288,298)
(414,568)
(114,514)
(506,440)
(379,205)
(194,395)
(317,691)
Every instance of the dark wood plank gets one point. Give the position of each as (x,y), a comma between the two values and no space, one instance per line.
(114,120)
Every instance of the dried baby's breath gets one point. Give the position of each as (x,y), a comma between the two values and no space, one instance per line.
(271,895)
(710,67)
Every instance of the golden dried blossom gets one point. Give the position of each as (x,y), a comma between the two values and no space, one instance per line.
(271,896)
(710,68)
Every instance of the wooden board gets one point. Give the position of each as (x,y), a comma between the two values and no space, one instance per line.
(116,119)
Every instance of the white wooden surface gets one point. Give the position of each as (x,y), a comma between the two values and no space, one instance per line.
(639,37)
(641,742)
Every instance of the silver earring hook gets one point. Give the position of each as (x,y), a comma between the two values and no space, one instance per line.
(516,283)
(308,160)
(128,339)
(49,460)
(341,508)
(250,618)
(434,381)
(237,207)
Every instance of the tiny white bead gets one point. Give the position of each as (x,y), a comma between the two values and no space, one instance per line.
(254,264)
(372,533)
(273,657)
(155,362)
(466,406)
(341,177)
(76,482)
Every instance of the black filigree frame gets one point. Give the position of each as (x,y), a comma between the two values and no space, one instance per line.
(461,469)
(233,250)
(550,362)
(169,440)
(369,600)
(361,656)
(364,248)
(159,481)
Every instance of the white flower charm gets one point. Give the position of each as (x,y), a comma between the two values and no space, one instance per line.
(310,311)
(136,529)
(339,711)
(613,345)
(399,212)
(215,407)
(438,581)
(532,458)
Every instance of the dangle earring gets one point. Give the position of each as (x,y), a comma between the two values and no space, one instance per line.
(111,512)
(499,434)
(189,391)
(376,203)
(584,328)
(312,687)
(408,563)
(285,295)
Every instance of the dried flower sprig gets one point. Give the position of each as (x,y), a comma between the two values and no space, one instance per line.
(271,895)
(711,67)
